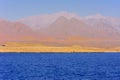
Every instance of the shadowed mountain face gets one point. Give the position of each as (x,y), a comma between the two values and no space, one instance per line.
(64,29)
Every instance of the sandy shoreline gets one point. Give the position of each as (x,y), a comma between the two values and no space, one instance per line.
(55,49)
(37,47)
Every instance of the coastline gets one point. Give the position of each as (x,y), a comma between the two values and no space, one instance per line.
(37,47)
(55,49)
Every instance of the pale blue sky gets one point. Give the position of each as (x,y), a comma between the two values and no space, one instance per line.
(15,9)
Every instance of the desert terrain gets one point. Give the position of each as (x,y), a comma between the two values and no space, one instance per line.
(32,47)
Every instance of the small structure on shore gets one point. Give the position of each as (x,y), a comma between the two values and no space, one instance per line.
(3,45)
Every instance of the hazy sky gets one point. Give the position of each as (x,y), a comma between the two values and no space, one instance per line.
(15,9)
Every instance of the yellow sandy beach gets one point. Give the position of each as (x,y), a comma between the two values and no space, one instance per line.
(54,49)
(24,47)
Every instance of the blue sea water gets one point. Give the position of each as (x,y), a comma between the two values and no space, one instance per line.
(59,66)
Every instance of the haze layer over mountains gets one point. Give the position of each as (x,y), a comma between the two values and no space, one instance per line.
(63,29)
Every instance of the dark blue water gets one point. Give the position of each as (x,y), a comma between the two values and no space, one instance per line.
(51,66)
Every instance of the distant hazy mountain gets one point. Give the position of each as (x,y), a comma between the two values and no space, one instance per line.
(64,29)
(37,22)
(93,20)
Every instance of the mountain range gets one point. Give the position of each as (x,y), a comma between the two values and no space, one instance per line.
(63,29)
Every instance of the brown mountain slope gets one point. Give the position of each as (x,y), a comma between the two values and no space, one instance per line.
(14,31)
